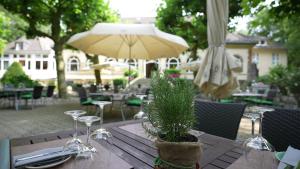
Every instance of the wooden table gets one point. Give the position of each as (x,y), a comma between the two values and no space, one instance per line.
(17,92)
(140,152)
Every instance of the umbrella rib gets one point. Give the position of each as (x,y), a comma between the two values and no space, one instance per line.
(167,45)
(96,41)
(144,46)
(119,48)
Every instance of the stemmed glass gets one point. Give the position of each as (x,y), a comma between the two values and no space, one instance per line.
(258,143)
(87,149)
(75,142)
(141,113)
(101,133)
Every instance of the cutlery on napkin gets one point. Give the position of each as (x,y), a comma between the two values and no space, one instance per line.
(40,156)
(290,158)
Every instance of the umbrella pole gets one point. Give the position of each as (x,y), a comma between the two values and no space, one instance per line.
(129,73)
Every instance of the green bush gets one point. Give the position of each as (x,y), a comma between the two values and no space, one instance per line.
(277,76)
(131,73)
(172,73)
(293,80)
(172,109)
(119,82)
(16,76)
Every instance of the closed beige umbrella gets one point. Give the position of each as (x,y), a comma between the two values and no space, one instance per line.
(216,73)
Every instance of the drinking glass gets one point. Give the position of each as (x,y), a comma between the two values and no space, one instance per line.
(255,148)
(87,149)
(101,133)
(75,142)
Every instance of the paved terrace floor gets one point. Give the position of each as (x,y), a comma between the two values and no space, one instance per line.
(50,118)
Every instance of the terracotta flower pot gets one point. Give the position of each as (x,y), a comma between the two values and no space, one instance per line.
(179,153)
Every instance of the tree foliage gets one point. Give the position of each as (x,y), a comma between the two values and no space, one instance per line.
(9,27)
(279,21)
(188,19)
(59,20)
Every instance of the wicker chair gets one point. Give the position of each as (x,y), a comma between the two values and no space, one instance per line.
(282,128)
(220,119)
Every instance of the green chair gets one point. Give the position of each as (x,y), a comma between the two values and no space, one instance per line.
(269,100)
(34,96)
(130,102)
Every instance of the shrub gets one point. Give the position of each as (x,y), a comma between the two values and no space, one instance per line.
(277,76)
(131,73)
(119,82)
(172,73)
(172,108)
(293,80)
(17,77)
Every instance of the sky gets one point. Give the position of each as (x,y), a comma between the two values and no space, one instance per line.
(147,8)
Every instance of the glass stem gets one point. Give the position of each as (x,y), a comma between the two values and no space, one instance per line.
(75,128)
(88,135)
(260,124)
(253,125)
(101,115)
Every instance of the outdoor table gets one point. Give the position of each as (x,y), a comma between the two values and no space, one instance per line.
(17,92)
(247,94)
(131,144)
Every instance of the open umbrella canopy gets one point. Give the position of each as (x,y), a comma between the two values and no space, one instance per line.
(193,65)
(109,65)
(216,73)
(134,41)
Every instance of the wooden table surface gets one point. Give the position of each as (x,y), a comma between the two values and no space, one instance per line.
(218,153)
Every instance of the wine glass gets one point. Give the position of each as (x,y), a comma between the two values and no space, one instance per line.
(255,148)
(87,149)
(75,142)
(101,133)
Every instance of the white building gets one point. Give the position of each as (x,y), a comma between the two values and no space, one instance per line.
(35,55)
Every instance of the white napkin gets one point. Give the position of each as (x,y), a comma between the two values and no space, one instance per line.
(41,155)
(291,157)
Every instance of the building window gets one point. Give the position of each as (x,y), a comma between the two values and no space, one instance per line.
(6,56)
(22,56)
(110,60)
(28,65)
(22,62)
(275,58)
(45,65)
(73,64)
(38,65)
(132,62)
(45,56)
(172,63)
(5,64)
(15,56)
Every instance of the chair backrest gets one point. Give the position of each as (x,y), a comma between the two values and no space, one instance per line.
(271,94)
(220,119)
(50,91)
(82,94)
(93,89)
(37,92)
(281,128)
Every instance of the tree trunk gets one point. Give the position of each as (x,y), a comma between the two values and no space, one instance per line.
(97,73)
(95,60)
(60,69)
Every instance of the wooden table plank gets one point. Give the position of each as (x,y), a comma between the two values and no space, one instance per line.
(140,152)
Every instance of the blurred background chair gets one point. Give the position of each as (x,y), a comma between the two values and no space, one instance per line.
(34,96)
(48,94)
(281,128)
(220,119)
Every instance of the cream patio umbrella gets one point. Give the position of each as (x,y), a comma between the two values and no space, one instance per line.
(216,75)
(109,65)
(131,41)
